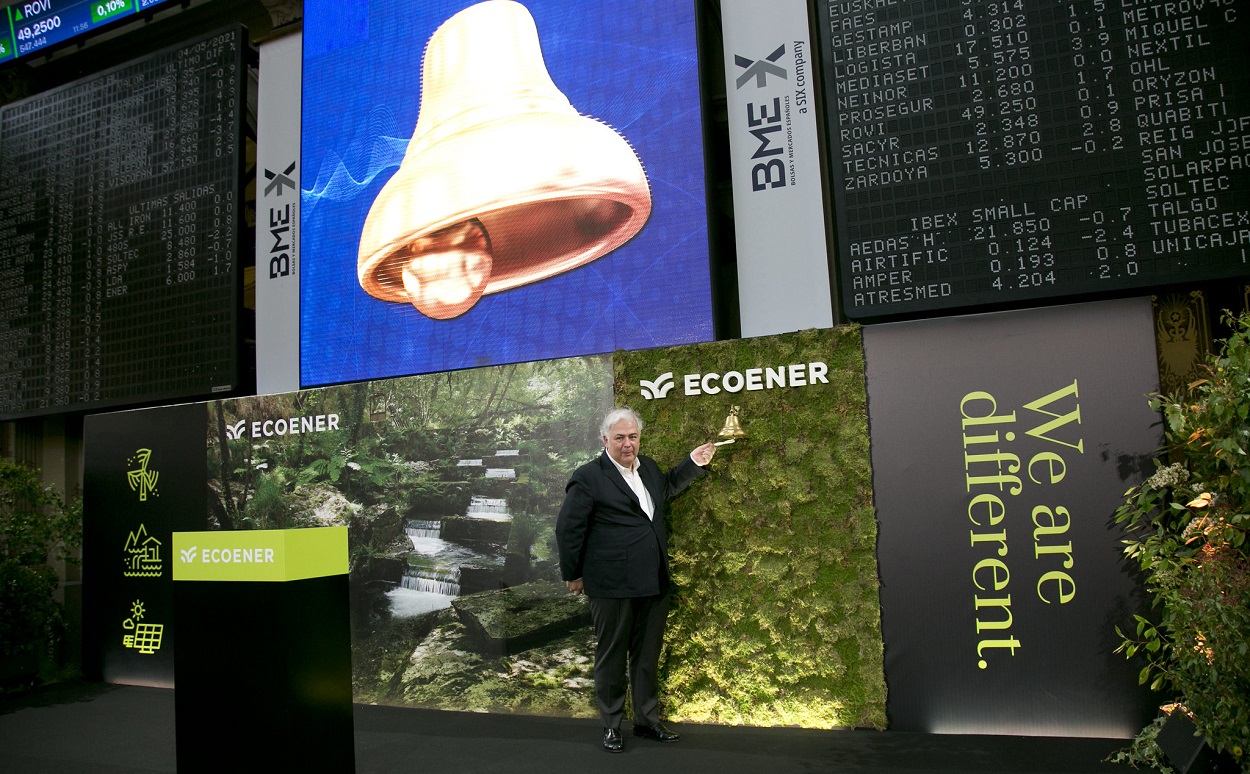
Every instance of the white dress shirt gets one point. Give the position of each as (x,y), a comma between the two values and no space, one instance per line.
(635,483)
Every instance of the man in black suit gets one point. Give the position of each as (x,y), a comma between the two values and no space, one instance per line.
(614,549)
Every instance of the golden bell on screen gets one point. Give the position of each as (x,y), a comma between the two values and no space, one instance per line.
(503,183)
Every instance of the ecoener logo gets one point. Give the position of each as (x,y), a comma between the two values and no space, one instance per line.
(269,428)
(257,555)
(658,388)
(260,554)
(766,378)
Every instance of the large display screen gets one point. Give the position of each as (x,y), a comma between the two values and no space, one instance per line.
(119,220)
(498,182)
(34,25)
(988,152)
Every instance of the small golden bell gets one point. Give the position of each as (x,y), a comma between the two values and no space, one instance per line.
(732,430)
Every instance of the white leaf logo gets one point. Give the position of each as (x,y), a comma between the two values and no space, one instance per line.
(653,390)
(234,432)
(188,554)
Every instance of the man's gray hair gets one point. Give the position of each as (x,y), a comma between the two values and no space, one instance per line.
(618,415)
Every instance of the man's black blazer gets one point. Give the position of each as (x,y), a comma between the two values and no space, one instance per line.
(605,537)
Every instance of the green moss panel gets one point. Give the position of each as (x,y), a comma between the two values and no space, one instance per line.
(775,617)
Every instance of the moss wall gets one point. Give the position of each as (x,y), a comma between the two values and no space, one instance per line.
(775,617)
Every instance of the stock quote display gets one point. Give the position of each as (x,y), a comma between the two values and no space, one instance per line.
(118,234)
(34,25)
(990,152)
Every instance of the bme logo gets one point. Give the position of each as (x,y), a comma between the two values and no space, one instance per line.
(765,119)
(751,379)
(280,222)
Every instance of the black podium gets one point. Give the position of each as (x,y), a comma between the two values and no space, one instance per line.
(262,675)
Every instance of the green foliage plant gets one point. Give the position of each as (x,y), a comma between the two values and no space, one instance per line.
(1189,522)
(775,617)
(36,527)
(1145,752)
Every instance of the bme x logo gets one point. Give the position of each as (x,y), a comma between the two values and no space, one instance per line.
(280,179)
(760,69)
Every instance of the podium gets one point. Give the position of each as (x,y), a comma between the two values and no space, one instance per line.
(262,676)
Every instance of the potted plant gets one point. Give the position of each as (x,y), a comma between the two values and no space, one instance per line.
(1189,523)
(36,527)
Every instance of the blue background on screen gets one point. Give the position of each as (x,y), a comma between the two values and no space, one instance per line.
(632,65)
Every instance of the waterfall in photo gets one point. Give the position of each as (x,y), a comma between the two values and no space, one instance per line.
(432,578)
(424,590)
(445,582)
(489,508)
(426,536)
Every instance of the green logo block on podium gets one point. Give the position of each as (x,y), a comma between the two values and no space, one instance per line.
(260,555)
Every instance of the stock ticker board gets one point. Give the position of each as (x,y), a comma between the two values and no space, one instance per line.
(990,152)
(33,25)
(119,220)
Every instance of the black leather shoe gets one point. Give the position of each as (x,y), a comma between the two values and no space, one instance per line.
(612,741)
(657,732)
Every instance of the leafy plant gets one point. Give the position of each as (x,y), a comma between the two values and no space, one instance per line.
(267,509)
(1190,521)
(1145,752)
(36,526)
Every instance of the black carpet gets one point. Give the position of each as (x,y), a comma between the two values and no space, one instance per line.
(92,727)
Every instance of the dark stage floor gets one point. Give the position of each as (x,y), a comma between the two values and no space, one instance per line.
(91,727)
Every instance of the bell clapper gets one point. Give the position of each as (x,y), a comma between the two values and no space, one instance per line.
(446,271)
